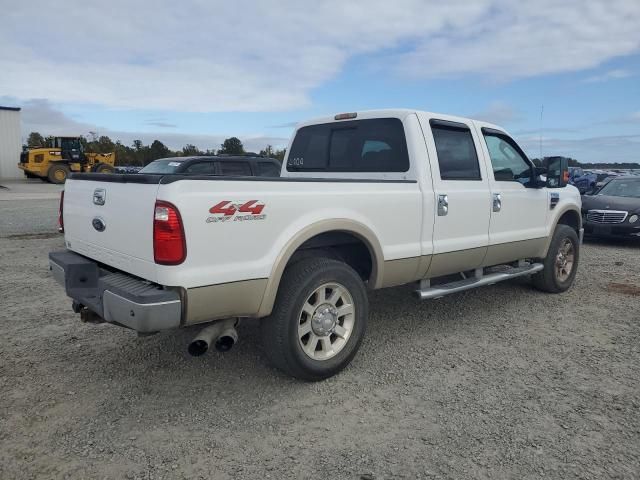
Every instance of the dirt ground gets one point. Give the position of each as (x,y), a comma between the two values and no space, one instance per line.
(500,382)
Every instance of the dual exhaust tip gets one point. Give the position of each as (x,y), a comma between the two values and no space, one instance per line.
(221,334)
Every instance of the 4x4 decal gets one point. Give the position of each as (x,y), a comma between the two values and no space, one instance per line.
(237,211)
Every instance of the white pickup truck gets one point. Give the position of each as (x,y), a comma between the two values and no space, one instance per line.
(366,200)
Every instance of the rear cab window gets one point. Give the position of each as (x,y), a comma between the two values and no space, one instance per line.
(368,145)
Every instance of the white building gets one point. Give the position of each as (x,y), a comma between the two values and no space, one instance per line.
(10,142)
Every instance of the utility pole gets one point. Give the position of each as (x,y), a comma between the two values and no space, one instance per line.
(541,111)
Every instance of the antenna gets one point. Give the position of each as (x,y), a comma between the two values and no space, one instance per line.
(541,111)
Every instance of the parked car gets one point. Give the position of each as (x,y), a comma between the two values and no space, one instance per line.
(365,201)
(602,179)
(582,180)
(127,169)
(615,209)
(230,165)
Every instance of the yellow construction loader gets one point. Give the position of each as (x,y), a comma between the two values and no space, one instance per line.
(64,155)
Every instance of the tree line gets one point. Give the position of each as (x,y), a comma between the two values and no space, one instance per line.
(140,154)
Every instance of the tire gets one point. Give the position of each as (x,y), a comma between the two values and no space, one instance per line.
(554,278)
(316,355)
(58,173)
(103,168)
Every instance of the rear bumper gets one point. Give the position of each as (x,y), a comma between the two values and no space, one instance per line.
(114,296)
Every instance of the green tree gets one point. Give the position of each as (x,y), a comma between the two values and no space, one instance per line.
(232,146)
(279,154)
(190,150)
(105,145)
(267,152)
(35,140)
(158,150)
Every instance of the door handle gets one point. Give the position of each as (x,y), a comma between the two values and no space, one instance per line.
(497,202)
(443,205)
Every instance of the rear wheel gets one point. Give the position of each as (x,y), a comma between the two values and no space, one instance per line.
(561,262)
(103,168)
(318,321)
(58,173)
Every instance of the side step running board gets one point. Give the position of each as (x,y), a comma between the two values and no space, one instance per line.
(479,280)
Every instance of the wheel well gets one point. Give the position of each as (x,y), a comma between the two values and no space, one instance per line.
(344,246)
(571,219)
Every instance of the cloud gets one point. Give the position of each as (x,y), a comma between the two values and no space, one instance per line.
(525,39)
(499,113)
(609,75)
(160,123)
(270,56)
(41,116)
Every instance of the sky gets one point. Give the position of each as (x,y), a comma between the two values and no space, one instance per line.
(562,77)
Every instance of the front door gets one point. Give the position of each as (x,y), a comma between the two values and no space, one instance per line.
(519,210)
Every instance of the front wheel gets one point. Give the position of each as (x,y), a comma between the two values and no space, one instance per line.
(561,262)
(58,173)
(318,321)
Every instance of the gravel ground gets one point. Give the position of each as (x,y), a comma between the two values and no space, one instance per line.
(501,382)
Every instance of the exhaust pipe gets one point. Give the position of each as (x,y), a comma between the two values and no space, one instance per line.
(227,339)
(222,334)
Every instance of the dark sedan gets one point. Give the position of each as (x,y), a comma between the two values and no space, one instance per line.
(226,165)
(614,210)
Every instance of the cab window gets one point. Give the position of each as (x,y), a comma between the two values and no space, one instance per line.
(508,161)
(370,145)
(457,157)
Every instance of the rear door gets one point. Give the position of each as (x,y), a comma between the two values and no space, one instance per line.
(518,211)
(461,225)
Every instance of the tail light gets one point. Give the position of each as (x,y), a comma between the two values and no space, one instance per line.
(169,244)
(60,210)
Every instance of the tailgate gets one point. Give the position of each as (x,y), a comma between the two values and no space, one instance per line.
(112,221)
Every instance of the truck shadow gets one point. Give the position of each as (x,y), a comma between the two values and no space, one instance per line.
(397,319)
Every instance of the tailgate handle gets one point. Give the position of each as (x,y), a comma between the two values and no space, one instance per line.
(99,196)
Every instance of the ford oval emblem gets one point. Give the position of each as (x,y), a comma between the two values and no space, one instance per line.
(98,224)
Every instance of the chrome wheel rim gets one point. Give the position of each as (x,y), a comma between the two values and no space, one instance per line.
(326,321)
(564,260)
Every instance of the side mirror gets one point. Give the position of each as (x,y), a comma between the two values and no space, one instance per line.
(557,172)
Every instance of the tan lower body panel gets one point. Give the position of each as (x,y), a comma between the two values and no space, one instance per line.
(401,271)
(243,299)
(236,299)
(454,262)
(509,252)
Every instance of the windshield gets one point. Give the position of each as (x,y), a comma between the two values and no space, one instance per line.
(168,165)
(627,187)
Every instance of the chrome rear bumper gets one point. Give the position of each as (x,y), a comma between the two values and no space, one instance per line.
(115,296)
